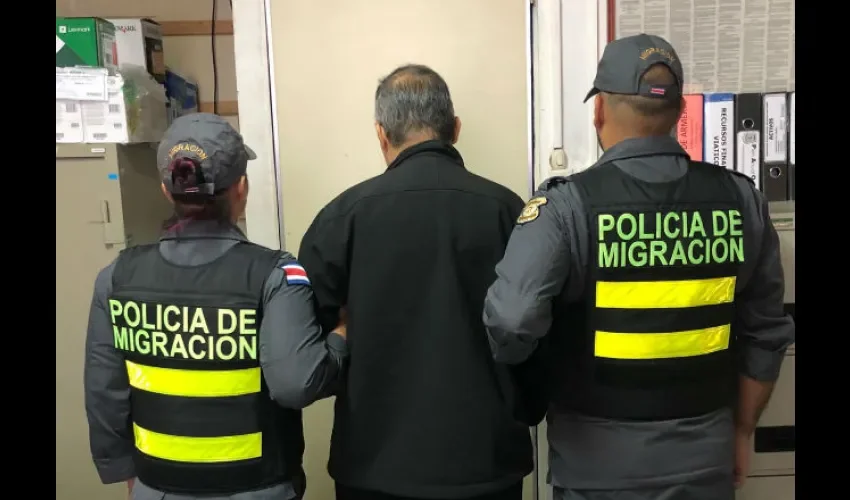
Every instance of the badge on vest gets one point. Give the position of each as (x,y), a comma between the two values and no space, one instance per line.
(531,210)
(295,274)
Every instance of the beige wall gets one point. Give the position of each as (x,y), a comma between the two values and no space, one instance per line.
(190,56)
(328,57)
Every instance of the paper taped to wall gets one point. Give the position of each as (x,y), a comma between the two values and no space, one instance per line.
(725,45)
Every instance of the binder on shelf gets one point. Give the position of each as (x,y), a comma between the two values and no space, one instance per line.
(718,145)
(792,139)
(748,130)
(689,128)
(775,168)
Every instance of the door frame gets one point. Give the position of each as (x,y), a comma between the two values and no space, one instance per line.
(254,56)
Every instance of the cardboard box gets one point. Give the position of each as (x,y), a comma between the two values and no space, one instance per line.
(69,122)
(139,43)
(182,95)
(85,41)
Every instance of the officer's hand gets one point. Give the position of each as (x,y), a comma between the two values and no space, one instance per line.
(341,328)
(743,451)
(130,484)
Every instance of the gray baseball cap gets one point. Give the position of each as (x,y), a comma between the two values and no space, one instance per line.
(625,61)
(201,154)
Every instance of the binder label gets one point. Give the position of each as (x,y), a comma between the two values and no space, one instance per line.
(689,129)
(720,146)
(775,126)
(793,134)
(718,127)
(748,154)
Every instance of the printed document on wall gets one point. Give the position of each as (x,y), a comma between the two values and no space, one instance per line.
(725,45)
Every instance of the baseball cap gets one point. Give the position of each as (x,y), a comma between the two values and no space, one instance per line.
(625,61)
(201,154)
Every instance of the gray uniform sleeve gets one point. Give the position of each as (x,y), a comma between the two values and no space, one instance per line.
(532,273)
(107,391)
(763,330)
(300,363)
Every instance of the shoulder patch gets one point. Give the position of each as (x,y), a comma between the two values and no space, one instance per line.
(531,210)
(295,274)
(727,170)
(554,181)
(743,176)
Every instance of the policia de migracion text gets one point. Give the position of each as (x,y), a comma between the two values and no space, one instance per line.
(202,348)
(653,283)
(184,332)
(652,239)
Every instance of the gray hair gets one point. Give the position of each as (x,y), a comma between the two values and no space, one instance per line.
(414,98)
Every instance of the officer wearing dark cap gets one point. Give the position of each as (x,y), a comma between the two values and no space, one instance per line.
(653,283)
(202,349)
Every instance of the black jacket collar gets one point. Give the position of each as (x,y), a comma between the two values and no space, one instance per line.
(428,147)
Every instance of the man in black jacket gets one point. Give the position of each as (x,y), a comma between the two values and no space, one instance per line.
(409,254)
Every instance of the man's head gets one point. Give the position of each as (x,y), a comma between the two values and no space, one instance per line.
(638,89)
(413,105)
(202,162)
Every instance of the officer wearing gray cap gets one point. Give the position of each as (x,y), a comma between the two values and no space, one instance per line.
(202,349)
(653,283)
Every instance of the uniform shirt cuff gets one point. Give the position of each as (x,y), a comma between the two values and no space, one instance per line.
(115,470)
(759,364)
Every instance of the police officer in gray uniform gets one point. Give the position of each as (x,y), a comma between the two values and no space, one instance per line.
(653,284)
(203,348)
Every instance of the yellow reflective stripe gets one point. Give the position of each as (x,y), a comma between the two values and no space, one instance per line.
(194,383)
(662,345)
(664,294)
(199,449)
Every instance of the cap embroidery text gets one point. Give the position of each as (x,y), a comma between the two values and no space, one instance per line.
(657,50)
(190,148)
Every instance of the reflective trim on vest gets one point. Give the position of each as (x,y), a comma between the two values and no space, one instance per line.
(199,449)
(662,345)
(664,294)
(654,295)
(194,383)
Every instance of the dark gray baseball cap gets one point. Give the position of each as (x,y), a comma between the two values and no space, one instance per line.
(201,154)
(625,61)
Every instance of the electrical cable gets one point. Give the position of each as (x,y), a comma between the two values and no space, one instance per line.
(214,58)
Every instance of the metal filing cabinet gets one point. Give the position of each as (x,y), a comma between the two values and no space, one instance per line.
(772,468)
(107,196)
(122,189)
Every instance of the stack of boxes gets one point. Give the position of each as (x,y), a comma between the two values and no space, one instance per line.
(102,92)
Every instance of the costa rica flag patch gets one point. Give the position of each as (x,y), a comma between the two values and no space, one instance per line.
(295,274)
